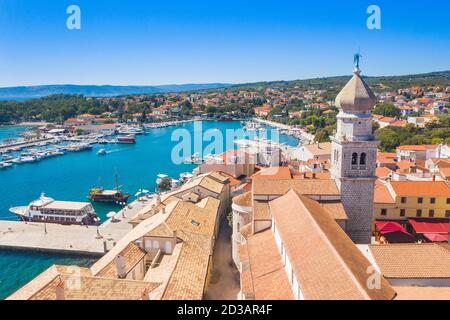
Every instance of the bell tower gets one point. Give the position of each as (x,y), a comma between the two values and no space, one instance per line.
(353,158)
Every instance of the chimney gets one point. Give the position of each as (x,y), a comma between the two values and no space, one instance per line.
(158,200)
(434,177)
(60,290)
(163,210)
(120,267)
(314,175)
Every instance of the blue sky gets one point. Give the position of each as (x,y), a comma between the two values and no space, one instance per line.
(148,42)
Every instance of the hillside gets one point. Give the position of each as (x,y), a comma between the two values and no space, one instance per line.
(383,83)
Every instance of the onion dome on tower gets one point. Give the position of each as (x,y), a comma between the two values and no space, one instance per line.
(356,96)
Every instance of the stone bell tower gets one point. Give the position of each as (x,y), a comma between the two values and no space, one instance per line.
(354,153)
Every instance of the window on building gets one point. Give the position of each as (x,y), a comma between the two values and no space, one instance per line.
(354,161)
(362,159)
(403,199)
(419,213)
(448,200)
(354,158)
(420,200)
(447,213)
(431,213)
(402,212)
(383,212)
(432,200)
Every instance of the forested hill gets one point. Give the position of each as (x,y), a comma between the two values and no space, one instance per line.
(384,83)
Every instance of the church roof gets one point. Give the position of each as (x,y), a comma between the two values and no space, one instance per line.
(356,95)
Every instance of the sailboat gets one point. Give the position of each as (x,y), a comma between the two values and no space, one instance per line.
(99,194)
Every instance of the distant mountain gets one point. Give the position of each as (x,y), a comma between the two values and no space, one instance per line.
(381,83)
(31,92)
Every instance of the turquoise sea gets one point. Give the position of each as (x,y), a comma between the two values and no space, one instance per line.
(10,132)
(69,178)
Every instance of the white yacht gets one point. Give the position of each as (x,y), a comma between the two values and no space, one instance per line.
(5,165)
(46,209)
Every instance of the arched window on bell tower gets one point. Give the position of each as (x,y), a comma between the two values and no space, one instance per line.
(354,161)
(362,161)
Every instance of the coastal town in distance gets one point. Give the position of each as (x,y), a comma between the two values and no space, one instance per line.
(330,188)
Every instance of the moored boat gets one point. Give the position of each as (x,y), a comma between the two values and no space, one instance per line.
(5,165)
(46,209)
(128,139)
(98,194)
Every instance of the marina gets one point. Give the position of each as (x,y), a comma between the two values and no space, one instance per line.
(69,178)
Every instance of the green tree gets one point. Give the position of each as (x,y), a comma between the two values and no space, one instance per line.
(387,110)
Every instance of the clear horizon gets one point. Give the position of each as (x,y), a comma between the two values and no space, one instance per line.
(155,43)
(201,83)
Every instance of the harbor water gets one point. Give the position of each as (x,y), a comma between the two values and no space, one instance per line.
(69,177)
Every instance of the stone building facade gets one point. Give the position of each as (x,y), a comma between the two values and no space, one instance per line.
(353,156)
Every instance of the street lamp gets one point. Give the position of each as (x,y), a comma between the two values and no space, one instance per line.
(97,223)
(45,225)
(123,204)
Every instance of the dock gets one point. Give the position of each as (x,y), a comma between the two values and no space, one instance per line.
(73,239)
(24,144)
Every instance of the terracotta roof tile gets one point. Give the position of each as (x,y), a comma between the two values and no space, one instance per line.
(422,293)
(272,173)
(261,211)
(412,260)
(266,277)
(421,147)
(421,188)
(382,194)
(132,255)
(326,262)
(244,199)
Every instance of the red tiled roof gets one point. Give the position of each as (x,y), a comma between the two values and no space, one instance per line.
(326,262)
(421,147)
(421,188)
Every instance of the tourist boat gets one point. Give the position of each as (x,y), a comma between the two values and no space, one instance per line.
(98,194)
(48,210)
(101,152)
(128,139)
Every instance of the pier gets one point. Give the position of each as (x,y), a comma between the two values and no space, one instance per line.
(73,239)
(24,144)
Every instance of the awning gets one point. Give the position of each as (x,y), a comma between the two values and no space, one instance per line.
(388,226)
(399,237)
(430,225)
(436,237)
(394,232)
